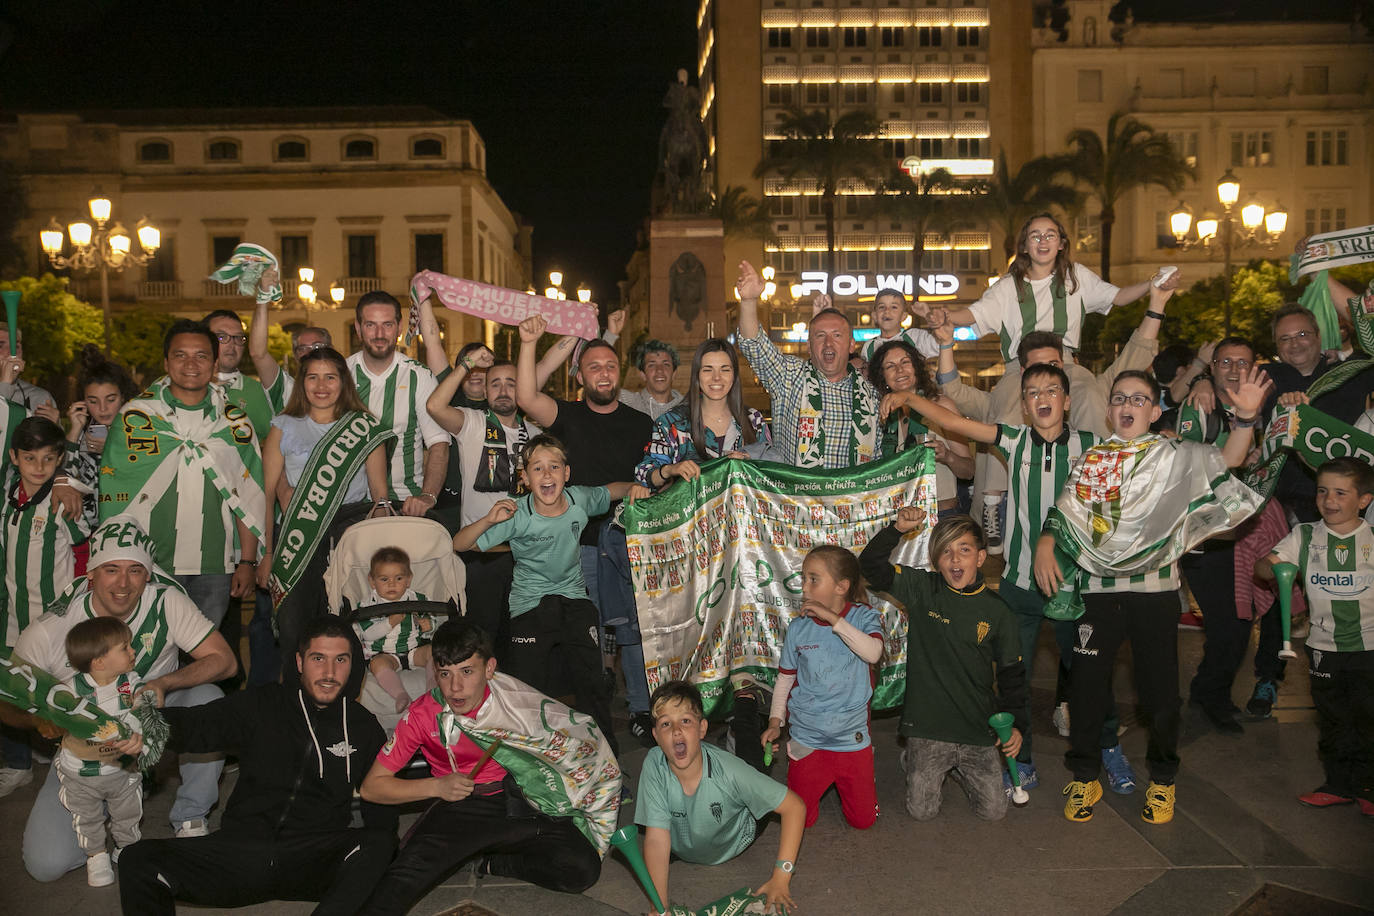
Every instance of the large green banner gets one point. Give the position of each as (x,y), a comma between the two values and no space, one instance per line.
(1310,434)
(716,563)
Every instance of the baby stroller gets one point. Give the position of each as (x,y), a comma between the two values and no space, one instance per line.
(438,575)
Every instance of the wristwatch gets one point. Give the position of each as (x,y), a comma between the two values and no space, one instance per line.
(785,865)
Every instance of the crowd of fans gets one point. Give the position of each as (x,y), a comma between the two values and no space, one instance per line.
(130,535)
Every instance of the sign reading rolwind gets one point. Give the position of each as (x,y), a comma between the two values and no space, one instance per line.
(716,563)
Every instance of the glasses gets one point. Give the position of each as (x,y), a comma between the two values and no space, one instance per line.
(1051,391)
(1135,400)
(1301,335)
(302,349)
(1043,236)
(1227,363)
(239,339)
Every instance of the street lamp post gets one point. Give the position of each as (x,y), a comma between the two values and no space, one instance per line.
(100,247)
(1259,228)
(306,293)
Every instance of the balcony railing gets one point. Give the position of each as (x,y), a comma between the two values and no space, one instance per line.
(356,286)
(213,289)
(159,289)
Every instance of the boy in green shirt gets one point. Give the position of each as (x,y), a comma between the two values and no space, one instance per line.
(702,803)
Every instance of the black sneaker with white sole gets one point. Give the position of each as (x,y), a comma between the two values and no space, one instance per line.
(642,727)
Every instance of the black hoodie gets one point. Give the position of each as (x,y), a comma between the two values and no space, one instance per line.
(298,762)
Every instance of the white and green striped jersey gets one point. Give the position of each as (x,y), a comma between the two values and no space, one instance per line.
(397,397)
(1337,576)
(38,556)
(165,624)
(378,635)
(247,393)
(1036,471)
(279,392)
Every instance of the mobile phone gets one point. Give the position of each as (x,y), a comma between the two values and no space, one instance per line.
(97,430)
(1164,274)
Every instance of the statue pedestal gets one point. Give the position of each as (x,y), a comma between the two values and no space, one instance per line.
(686,282)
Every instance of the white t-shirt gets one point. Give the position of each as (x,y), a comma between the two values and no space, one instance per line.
(164,624)
(1339,585)
(924,342)
(470,439)
(999,311)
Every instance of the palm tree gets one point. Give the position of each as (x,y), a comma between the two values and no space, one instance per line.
(830,153)
(741,215)
(1131,156)
(934,202)
(1009,200)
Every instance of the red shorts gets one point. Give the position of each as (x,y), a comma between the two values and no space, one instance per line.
(851,772)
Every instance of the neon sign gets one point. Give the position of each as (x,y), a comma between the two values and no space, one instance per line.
(813,281)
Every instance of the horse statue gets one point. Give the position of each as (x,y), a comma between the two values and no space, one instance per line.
(680,186)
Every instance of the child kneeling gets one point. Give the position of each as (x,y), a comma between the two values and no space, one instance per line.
(957,630)
(395,642)
(825,683)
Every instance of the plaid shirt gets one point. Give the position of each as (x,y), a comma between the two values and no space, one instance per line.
(782,377)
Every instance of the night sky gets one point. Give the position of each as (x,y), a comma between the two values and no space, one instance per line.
(566,94)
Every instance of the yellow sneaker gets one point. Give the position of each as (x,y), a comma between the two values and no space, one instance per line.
(1081,798)
(1159,804)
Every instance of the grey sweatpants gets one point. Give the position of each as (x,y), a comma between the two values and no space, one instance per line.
(977,769)
(87,798)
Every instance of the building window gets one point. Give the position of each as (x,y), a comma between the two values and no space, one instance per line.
(813,206)
(360,148)
(292,150)
(222,151)
(813,260)
(1316,80)
(970,147)
(968,92)
(855,36)
(780,206)
(893,261)
(426,148)
(969,261)
(779,95)
(429,251)
(222,248)
(1089,85)
(817,94)
(362,255)
(155,151)
(163,268)
(1326,147)
(931,93)
(295,254)
(929,36)
(817,37)
(1324,219)
(779,38)
(933,261)
(898,93)
(1252,147)
(1184,143)
(967,36)
(892,36)
(932,148)
(856,93)
(857,261)
(895,149)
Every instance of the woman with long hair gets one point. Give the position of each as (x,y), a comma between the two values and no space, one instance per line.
(323,395)
(712,423)
(896,366)
(101,390)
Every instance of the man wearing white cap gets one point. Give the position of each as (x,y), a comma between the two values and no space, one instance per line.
(122,581)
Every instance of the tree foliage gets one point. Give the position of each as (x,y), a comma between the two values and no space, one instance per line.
(1011,199)
(53,326)
(741,215)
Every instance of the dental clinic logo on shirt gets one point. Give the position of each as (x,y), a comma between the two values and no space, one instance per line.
(1085,633)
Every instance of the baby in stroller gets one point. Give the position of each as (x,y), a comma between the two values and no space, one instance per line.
(396,642)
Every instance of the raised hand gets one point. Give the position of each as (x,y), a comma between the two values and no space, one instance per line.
(1203,397)
(909,518)
(944,331)
(503,510)
(615,322)
(1254,388)
(893,401)
(749,283)
(483,358)
(532,328)
(819,303)
(1293,398)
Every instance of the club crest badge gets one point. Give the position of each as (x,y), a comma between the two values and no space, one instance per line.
(1341,553)
(983,628)
(1085,633)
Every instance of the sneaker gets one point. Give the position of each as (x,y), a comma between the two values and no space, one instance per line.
(1159,804)
(11,779)
(1224,721)
(1261,703)
(1119,774)
(1318,798)
(1188,620)
(992,526)
(1030,779)
(99,870)
(1366,807)
(114,856)
(195,827)
(1061,719)
(1081,798)
(642,727)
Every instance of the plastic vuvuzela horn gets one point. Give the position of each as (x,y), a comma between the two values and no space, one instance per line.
(626,839)
(1001,723)
(11,297)
(1285,573)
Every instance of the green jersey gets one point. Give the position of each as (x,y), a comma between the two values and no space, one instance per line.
(37,546)
(247,393)
(1337,572)
(398,397)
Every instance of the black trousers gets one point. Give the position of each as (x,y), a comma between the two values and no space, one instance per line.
(337,869)
(521,842)
(489,577)
(554,648)
(1150,621)
(1343,693)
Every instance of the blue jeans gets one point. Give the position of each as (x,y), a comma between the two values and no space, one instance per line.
(210,593)
(264,658)
(609,585)
(1029,608)
(14,748)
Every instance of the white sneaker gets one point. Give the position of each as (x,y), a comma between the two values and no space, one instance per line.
(1061,719)
(992,525)
(99,870)
(196,827)
(11,779)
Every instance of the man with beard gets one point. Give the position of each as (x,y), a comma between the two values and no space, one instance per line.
(605,440)
(490,442)
(658,361)
(395,388)
(825,413)
(285,833)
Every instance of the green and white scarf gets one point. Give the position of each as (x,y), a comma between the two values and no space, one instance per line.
(558,757)
(142,702)
(863,421)
(1132,506)
(334,461)
(245,267)
(142,462)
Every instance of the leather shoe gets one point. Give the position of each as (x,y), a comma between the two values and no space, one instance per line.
(1320,799)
